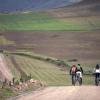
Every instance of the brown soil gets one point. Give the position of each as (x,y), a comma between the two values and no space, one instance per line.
(59,44)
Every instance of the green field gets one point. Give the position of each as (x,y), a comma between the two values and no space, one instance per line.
(38,21)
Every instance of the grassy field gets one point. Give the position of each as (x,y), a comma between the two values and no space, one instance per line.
(87,22)
(49,73)
(40,70)
(38,21)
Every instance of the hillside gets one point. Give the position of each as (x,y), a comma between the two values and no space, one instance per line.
(18,66)
(68,33)
(64,45)
(82,16)
(27,5)
(62,33)
(85,8)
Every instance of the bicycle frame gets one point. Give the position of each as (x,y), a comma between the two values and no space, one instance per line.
(77,77)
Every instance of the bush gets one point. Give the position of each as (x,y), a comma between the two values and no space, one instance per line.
(17,82)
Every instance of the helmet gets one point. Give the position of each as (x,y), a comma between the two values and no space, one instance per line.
(74,66)
(78,64)
(97,66)
(78,67)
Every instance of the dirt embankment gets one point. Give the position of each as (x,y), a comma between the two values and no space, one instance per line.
(4,71)
(63,93)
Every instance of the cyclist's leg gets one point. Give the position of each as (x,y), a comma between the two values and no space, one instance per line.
(73,79)
(96,78)
(97,75)
(80,82)
(79,77)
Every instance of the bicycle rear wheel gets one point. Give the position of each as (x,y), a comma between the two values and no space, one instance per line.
(80,81)
(96,81)
(73,80)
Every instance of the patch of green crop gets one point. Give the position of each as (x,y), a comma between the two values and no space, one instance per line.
(34,21)
(5,93)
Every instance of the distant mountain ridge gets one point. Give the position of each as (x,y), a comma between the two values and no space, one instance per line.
(95,4)
(82,8)
(20,5)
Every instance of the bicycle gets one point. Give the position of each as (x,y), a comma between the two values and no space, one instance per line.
(77,77)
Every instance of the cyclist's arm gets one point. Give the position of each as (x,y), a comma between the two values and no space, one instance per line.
(70,71)
(82,70)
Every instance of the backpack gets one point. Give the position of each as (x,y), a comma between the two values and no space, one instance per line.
(73,69)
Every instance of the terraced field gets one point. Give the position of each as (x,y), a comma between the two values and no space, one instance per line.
(46,72)
(26,64)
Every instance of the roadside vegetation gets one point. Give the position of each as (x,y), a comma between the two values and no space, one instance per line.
(6,93)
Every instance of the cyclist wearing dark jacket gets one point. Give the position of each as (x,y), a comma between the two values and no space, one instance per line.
(97,71)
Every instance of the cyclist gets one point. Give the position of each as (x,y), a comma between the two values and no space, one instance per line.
(97,73)
(73,73)
(79,73)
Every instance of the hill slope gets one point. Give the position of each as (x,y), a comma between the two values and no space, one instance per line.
(20,5)
(23,66)
(81,9)
(4,70)
(58,44)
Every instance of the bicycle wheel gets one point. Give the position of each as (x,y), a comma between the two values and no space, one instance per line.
(96,81)
(80,81)
(73,80)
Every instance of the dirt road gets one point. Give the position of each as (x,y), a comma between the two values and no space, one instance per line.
(4,71)
(63,93)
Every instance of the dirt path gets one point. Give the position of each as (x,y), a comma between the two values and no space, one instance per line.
(4,71)
(63,93)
